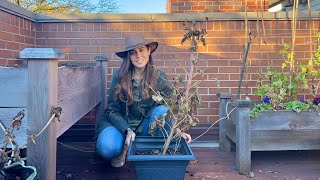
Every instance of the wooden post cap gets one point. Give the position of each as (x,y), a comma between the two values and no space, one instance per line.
(41,53)
(224,95)
(101,58)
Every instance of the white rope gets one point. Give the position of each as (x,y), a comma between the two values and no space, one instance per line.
(71,147)
(226,117)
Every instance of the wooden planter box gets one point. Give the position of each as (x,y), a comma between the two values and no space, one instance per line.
(271,131)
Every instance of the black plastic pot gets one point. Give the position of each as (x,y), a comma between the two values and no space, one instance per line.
(159,167)
(18,169)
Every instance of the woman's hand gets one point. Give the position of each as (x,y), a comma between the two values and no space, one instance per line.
(184,135)
(131,136)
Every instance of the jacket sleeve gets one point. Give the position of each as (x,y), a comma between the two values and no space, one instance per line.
(165,88)
(114,107)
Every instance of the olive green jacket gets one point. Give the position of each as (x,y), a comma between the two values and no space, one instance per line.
(115,114)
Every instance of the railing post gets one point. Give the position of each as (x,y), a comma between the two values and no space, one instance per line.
(224,141)
(102,61)
(42,96)
(243,134)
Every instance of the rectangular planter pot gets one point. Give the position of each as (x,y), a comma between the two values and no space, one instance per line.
(270,131)
(152,167)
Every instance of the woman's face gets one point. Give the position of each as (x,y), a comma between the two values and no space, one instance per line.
(139,57)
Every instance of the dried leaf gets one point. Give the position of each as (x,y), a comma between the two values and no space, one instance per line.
(16,123)
(195,121)
(157,97)
(33,138)
(153,127)
(193,162)
(162,121)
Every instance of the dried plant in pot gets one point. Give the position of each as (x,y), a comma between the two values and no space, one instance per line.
(167,157)
(11,163)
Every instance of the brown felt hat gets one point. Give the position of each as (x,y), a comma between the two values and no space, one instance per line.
(134,41)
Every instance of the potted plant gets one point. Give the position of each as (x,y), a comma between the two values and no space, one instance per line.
(167,157)
(12,165)
(284,120)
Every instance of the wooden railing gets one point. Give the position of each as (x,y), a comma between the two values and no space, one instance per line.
(39,87)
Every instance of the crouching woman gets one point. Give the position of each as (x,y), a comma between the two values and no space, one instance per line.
(130,107)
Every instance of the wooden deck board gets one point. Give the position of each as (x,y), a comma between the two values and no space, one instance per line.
(212,164)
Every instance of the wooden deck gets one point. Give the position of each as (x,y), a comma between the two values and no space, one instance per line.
(210,164)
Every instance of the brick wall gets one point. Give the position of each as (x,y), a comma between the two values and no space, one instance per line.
(221,58)
(82,37)
(192,6)
(16,33)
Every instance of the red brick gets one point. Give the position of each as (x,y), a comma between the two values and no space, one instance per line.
(88,35)
(53,27)
(68,26)
(4,46)
(79,41)
(226,7)
(79,57)
(6,54)
(57,42)
(3,62)
(198,8)
(89,49)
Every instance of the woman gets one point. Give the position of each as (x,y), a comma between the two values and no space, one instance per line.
(130,105)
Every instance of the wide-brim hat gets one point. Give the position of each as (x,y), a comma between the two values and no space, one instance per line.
(134,41)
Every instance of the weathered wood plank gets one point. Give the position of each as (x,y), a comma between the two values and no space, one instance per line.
(285,140)
(13,87)
(243,152)
(42,96)
(75,107)
(285,120)
(103,81)
(230,126)
(6,115)
(224,141)
(74,80)
(230,130)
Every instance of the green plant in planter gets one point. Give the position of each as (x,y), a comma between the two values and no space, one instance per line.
(281,91)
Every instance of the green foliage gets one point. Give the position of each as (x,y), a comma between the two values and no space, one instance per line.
(258,108)
(298,106)
(68,6)
(281,87)
(277,89)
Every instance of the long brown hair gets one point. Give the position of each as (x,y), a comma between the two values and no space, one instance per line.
(124,90)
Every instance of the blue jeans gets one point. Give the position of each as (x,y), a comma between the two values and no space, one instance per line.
(110,140)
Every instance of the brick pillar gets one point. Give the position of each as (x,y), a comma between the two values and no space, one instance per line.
(198,6)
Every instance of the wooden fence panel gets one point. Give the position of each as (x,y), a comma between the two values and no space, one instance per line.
(75,80)
(13,87)
(75,107)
